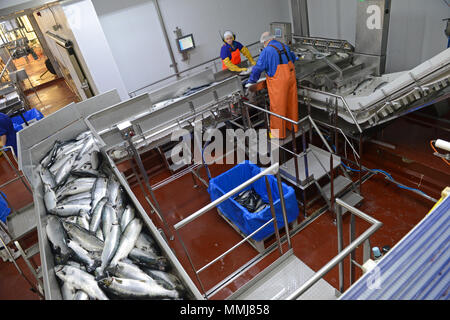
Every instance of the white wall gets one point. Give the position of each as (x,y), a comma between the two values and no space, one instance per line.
(80,25)
(416,30)
(88,32)
(137,43)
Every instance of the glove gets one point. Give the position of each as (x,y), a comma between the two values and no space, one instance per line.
(232,67)
(248,84)
(248,55)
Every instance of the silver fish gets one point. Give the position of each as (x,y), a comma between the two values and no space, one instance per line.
(90,260)
(83,135)
(69,210)
(99,190)
(83,195)
(110,248)
(149,260)
(147,243)
(85,238)
(113,190)
(96,216)
(80,280)
(99,234)
(127,217)
(47,178)
(136,289)
(79,202)
(96,159)
(77,186)
(166,279)
(88,144)
(64,172)
(128,270)
(85,173)
(109,217)
(58,239)
(50,157)
(81,295)
(76,265)
(67,291)
(60,162)
(83,219)
(127,240)
(49,198)
(72,219)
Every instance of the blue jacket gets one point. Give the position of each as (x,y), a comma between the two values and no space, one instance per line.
(269,60)
(7,128)
(225,51)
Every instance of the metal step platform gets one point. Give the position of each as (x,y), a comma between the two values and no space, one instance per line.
(351,198)
(22,222)
(318,166)
(281,279)
(339,185)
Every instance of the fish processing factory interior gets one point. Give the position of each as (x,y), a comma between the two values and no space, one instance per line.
(225,150)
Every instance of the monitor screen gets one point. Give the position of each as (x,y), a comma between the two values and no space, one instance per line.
(278,32)
(186,43)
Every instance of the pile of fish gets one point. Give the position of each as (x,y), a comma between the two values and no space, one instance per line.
(251,200)
(101,250)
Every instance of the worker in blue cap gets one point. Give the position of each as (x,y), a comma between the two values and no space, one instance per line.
(230,53)
(277,60)
(7,133)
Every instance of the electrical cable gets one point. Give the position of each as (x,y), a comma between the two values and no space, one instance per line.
(432,146)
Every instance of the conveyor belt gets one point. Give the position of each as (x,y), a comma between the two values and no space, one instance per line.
(417,268)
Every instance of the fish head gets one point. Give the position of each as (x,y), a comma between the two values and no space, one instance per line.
(106,282)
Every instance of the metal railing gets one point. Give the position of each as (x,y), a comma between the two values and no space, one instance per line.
(344,103)
(305,151)
(273,170)
(213,60)
(342,253)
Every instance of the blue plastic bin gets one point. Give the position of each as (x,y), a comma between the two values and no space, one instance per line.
(4,209)
(30,115)
(246,221)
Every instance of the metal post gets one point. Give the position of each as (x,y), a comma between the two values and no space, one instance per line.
(332,207)
(294,149)
(283,208)
(353,253)
(340,247)
(336,137)
(360,162)
(166,38)
(272,210)
(138,159)
(34,289)
(191,262)
(305,157)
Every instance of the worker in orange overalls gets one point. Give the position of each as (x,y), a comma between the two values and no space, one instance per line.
(277,60)
(231,53)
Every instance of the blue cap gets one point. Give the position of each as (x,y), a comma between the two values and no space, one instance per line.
(376,252)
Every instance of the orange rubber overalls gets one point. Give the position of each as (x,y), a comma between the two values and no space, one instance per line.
(235,58)
(283,96)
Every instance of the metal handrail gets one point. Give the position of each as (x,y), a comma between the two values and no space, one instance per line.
(340,98)
(271,170)
(132,93)
(342,254)
(274,170)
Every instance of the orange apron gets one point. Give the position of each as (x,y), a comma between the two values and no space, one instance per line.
(283,97)
(235,58)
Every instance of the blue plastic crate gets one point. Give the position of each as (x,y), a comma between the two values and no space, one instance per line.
(30,115)
(246,221)
(4,209)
